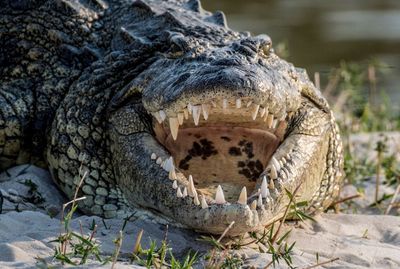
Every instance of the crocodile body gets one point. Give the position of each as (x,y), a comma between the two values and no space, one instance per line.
(159,105)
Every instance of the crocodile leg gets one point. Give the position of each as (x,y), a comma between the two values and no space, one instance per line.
(16,109)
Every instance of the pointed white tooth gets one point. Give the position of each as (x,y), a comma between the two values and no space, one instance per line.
(191,188)
(172,174)
(238,103)
(281,162)
(180,118)
(274,123)
(271,185)
(243,196)
(196,110)
(253,205)
(159,161)
(255,112)
(270,120)
(163,116)
(262,112)
(203,202)
(184,193)
(157,116)
(186,114)
(206,109)
(225,103)
(175,184)
(259,201)
(273,173)
(189,108)
(266,116)
(213,104)
(249,103)
(284,174)
(153,156)
(219,196)
(196,199)
(179,193)
(168,164)
(174,126)
(276,164)
(264,188)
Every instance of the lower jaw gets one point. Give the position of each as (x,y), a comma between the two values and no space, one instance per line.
(151,187)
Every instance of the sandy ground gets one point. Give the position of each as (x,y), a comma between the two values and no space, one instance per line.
(359,240)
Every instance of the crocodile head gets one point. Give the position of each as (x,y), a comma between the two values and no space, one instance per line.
(227,127)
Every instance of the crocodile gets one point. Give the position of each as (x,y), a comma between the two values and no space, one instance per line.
(159,105)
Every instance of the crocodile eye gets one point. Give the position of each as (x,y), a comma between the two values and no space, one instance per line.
(178,43)
(266,49)
(265,44)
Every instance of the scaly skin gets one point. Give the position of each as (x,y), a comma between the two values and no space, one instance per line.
(82,84)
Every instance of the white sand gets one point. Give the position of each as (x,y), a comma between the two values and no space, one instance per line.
(359,241)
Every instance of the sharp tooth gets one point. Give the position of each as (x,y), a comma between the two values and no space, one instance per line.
(213,104)
(191,188)
(180,118)
(175,184)
(255,112)
(273,173)
(184,193)
(219,196)
(189,107)
(153,156)
(238,103)
(262,112)
(196,199)
(275,163)
(206,109)
(196,110)
(163,116)
(249,103)
(253,205)
(186,114)
(274,123)
(266,116)
(203,202)
(243,196)
(259,201)
(172,174)
(284,174)
(225,103)
(179,193)
(270,120)
(168,164)
(157,116)
(159,161)
(264,188)
(271,185)
(174,126)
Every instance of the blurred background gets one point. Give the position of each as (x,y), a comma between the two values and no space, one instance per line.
(324,36)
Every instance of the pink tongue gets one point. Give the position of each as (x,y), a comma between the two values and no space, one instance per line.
(232,157)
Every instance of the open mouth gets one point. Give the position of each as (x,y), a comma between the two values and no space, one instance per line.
(221,151)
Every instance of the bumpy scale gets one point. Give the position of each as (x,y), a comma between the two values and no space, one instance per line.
(164,107)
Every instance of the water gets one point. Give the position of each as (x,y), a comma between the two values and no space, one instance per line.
(321,33)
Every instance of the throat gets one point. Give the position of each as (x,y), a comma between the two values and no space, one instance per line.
(233,157)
